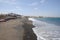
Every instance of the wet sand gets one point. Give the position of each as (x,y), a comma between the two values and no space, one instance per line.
(29,34)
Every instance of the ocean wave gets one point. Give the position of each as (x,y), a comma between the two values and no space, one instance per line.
(45,31)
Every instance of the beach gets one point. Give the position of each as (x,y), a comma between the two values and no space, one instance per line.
(17,29)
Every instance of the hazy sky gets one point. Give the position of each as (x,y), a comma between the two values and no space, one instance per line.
(31,7)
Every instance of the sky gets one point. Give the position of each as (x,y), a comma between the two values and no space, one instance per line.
(31,7)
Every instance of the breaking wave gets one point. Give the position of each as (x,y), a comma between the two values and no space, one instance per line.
(45,31)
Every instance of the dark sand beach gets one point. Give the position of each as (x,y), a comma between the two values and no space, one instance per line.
(29,34)
(16,30)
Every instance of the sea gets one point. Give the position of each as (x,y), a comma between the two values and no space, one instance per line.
(46,28)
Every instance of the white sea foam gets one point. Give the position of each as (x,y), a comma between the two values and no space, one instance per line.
(45,31)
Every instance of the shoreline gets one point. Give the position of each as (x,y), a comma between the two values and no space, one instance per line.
(29,34)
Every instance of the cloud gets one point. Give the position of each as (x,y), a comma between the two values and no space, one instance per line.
(8,1)
(33,4)
(13,4)
(35,8)
(18,8)
(42,1)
